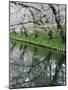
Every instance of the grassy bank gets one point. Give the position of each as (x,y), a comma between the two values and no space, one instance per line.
(42,39)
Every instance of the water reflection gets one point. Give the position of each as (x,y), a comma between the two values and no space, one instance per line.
(32,66)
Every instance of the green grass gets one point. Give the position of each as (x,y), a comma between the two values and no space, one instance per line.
(42,39)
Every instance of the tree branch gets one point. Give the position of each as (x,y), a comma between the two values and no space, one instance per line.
(24,5)
(55,14)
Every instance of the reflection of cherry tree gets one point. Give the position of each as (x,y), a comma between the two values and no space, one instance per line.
(58,67)
(37,73)
(32,74)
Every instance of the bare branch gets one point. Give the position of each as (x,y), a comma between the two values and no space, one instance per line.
(24,5)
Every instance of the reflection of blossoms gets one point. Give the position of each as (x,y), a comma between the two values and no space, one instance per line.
(42,70)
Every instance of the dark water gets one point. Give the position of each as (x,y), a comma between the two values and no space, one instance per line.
(33,66)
